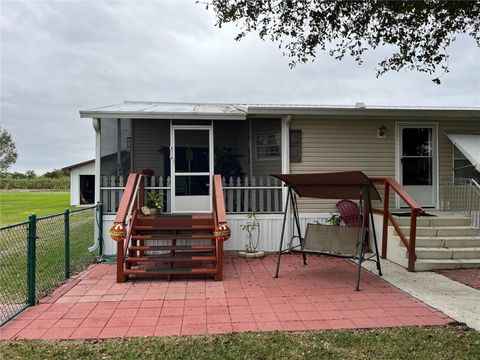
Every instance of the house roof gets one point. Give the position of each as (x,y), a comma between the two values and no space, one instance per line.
(174,110)
(70,167)
(159,110)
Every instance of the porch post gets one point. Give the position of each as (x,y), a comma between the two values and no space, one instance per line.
(285,137)
(97,229)
(97,127)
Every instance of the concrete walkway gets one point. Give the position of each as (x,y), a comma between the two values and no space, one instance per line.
(458,301)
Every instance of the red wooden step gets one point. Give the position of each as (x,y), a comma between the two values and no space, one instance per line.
(167,247)
(173,237)
(171,259)
(174,220)
(172,228)
(174,271)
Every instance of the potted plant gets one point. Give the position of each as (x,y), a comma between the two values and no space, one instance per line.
(334,219)
(252,228)
(153,203)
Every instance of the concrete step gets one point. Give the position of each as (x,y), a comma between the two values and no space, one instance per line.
(442,242)
(443,231)
(435,264)
(443,253)
(435,220)
(462,241)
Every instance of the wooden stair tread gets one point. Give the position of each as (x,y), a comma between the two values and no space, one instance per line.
(172,271)
(173,237)
(169,258)
(176,247)
(173,227)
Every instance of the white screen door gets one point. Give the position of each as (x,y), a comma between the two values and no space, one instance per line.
(418,163)
(192,168)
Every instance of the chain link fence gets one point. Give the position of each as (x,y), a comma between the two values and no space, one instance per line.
(13,270)
(38,255)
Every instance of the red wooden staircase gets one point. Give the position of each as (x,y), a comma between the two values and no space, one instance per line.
(168,244)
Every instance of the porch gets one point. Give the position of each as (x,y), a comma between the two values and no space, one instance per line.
(317,296)
(179,157)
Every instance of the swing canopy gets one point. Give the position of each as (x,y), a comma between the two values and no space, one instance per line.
(337,185)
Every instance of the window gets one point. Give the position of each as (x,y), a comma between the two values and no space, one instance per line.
(267,146)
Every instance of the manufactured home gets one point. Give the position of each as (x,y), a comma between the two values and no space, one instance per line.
(177,148)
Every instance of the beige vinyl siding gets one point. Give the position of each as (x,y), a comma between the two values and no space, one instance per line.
(149,136)
(330,145)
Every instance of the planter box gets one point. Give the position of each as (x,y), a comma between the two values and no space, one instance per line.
(334,239)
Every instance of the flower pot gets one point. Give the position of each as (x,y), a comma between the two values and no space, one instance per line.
(153,211)
(252,255)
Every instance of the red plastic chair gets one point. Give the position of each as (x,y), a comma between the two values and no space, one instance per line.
(349,212)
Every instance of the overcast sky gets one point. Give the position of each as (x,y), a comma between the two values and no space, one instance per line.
(59,57)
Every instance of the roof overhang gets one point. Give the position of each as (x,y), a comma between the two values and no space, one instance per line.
(145,110)
(366,112)
(469,146)
(217,111)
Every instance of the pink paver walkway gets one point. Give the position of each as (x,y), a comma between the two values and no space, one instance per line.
(317,296)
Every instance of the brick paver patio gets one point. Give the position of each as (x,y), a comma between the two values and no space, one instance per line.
(317,296)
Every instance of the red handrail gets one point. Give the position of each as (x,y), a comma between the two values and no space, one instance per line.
(127,196)
(218,200)
(415,210)
(127,204)
(219,217)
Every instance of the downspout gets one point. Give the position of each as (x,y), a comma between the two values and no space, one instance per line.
(97,234)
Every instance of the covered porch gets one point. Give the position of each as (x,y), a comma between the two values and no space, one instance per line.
(178,158)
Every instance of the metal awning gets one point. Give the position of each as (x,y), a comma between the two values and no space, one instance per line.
(469,146)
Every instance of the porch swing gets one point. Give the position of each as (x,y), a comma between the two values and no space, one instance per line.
(352,185)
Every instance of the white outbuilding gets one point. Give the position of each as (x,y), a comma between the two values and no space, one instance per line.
(82,183)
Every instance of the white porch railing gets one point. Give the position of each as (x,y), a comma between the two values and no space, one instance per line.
(262,194)
(462,195)
(112,187)
(259,194)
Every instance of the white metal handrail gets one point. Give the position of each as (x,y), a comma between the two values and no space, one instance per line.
(462,195)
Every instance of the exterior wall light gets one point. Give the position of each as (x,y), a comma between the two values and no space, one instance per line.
(382,132)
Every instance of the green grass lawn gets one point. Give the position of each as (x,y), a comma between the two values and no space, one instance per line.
(446,342)
(18,205)
(50,244)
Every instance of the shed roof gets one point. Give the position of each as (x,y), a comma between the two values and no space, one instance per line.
(70,167)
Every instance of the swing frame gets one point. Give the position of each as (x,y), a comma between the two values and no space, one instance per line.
(353,185)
